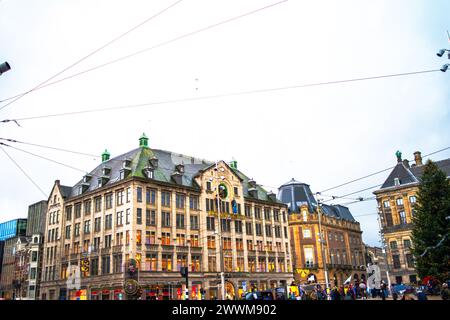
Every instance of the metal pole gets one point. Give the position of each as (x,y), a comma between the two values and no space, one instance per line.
(383,243)
(322,245)
(222,275)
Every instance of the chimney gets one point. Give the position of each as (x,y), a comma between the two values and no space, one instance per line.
(406,163)
(418,158)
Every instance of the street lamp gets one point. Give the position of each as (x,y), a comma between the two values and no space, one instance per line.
(222,274)
(4,67)
(322,243)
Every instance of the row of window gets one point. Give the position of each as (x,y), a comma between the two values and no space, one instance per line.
(406,244)
(225,225)
(125,195)
(409,261)
(388,221)
(102,265)
(399,201)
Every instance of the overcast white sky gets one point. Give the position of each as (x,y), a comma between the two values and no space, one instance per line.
(323,135)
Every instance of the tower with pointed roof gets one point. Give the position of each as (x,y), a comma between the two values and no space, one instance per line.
(343,246)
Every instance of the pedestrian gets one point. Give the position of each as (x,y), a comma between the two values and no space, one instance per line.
(383,290)
(445,292)
(362,288)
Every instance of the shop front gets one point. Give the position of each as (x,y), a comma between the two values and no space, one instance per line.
(119,294)
(106,294)
(160,292)
(78,294)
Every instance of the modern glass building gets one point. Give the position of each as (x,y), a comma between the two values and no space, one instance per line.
(13,228)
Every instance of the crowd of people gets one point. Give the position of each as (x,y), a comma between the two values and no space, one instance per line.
(359,290)
(351,291)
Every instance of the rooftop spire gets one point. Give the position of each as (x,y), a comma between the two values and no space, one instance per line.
(399,156)
(143,141)
(105,155)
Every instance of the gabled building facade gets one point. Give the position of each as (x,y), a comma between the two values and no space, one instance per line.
(161,209)
(396,201)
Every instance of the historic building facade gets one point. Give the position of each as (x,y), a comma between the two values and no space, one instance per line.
(162,210)
(343,246)
(396,201)
(12,233)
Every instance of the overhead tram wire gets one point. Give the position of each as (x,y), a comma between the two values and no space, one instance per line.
(41,85)
(44,158)
(45,84)
(379,185)
(23,171)
(375,173)
(92,110)
(48,147)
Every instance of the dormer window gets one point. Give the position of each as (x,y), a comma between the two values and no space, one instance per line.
(153,162)
(179,168)
(126,164)
(106,171)
(87,178)
(150,174)
(124,173)
(396,181)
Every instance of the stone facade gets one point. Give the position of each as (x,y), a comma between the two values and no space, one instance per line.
(164,224)
(396,202)
(343,247)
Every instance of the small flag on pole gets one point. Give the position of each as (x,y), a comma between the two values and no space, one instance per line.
(348,280)
(311,278)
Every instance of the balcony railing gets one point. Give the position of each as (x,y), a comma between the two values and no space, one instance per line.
(74,256)
(182,249)
(196,248)
(310,266)
(152,247)
(167,247)
(117,249)
(106,250)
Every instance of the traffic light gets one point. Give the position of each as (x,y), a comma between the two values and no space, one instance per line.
(184,271)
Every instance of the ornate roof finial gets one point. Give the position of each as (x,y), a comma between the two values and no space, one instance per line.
(143,141)
(399,156)
(105,155)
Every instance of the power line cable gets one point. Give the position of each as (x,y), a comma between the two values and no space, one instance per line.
(42,157)
(23,171)
(379,185)
(41,85)
(48,147)
(92,110)
(375,173)
(45,84)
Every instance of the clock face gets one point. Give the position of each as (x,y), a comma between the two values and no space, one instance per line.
(223,191)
